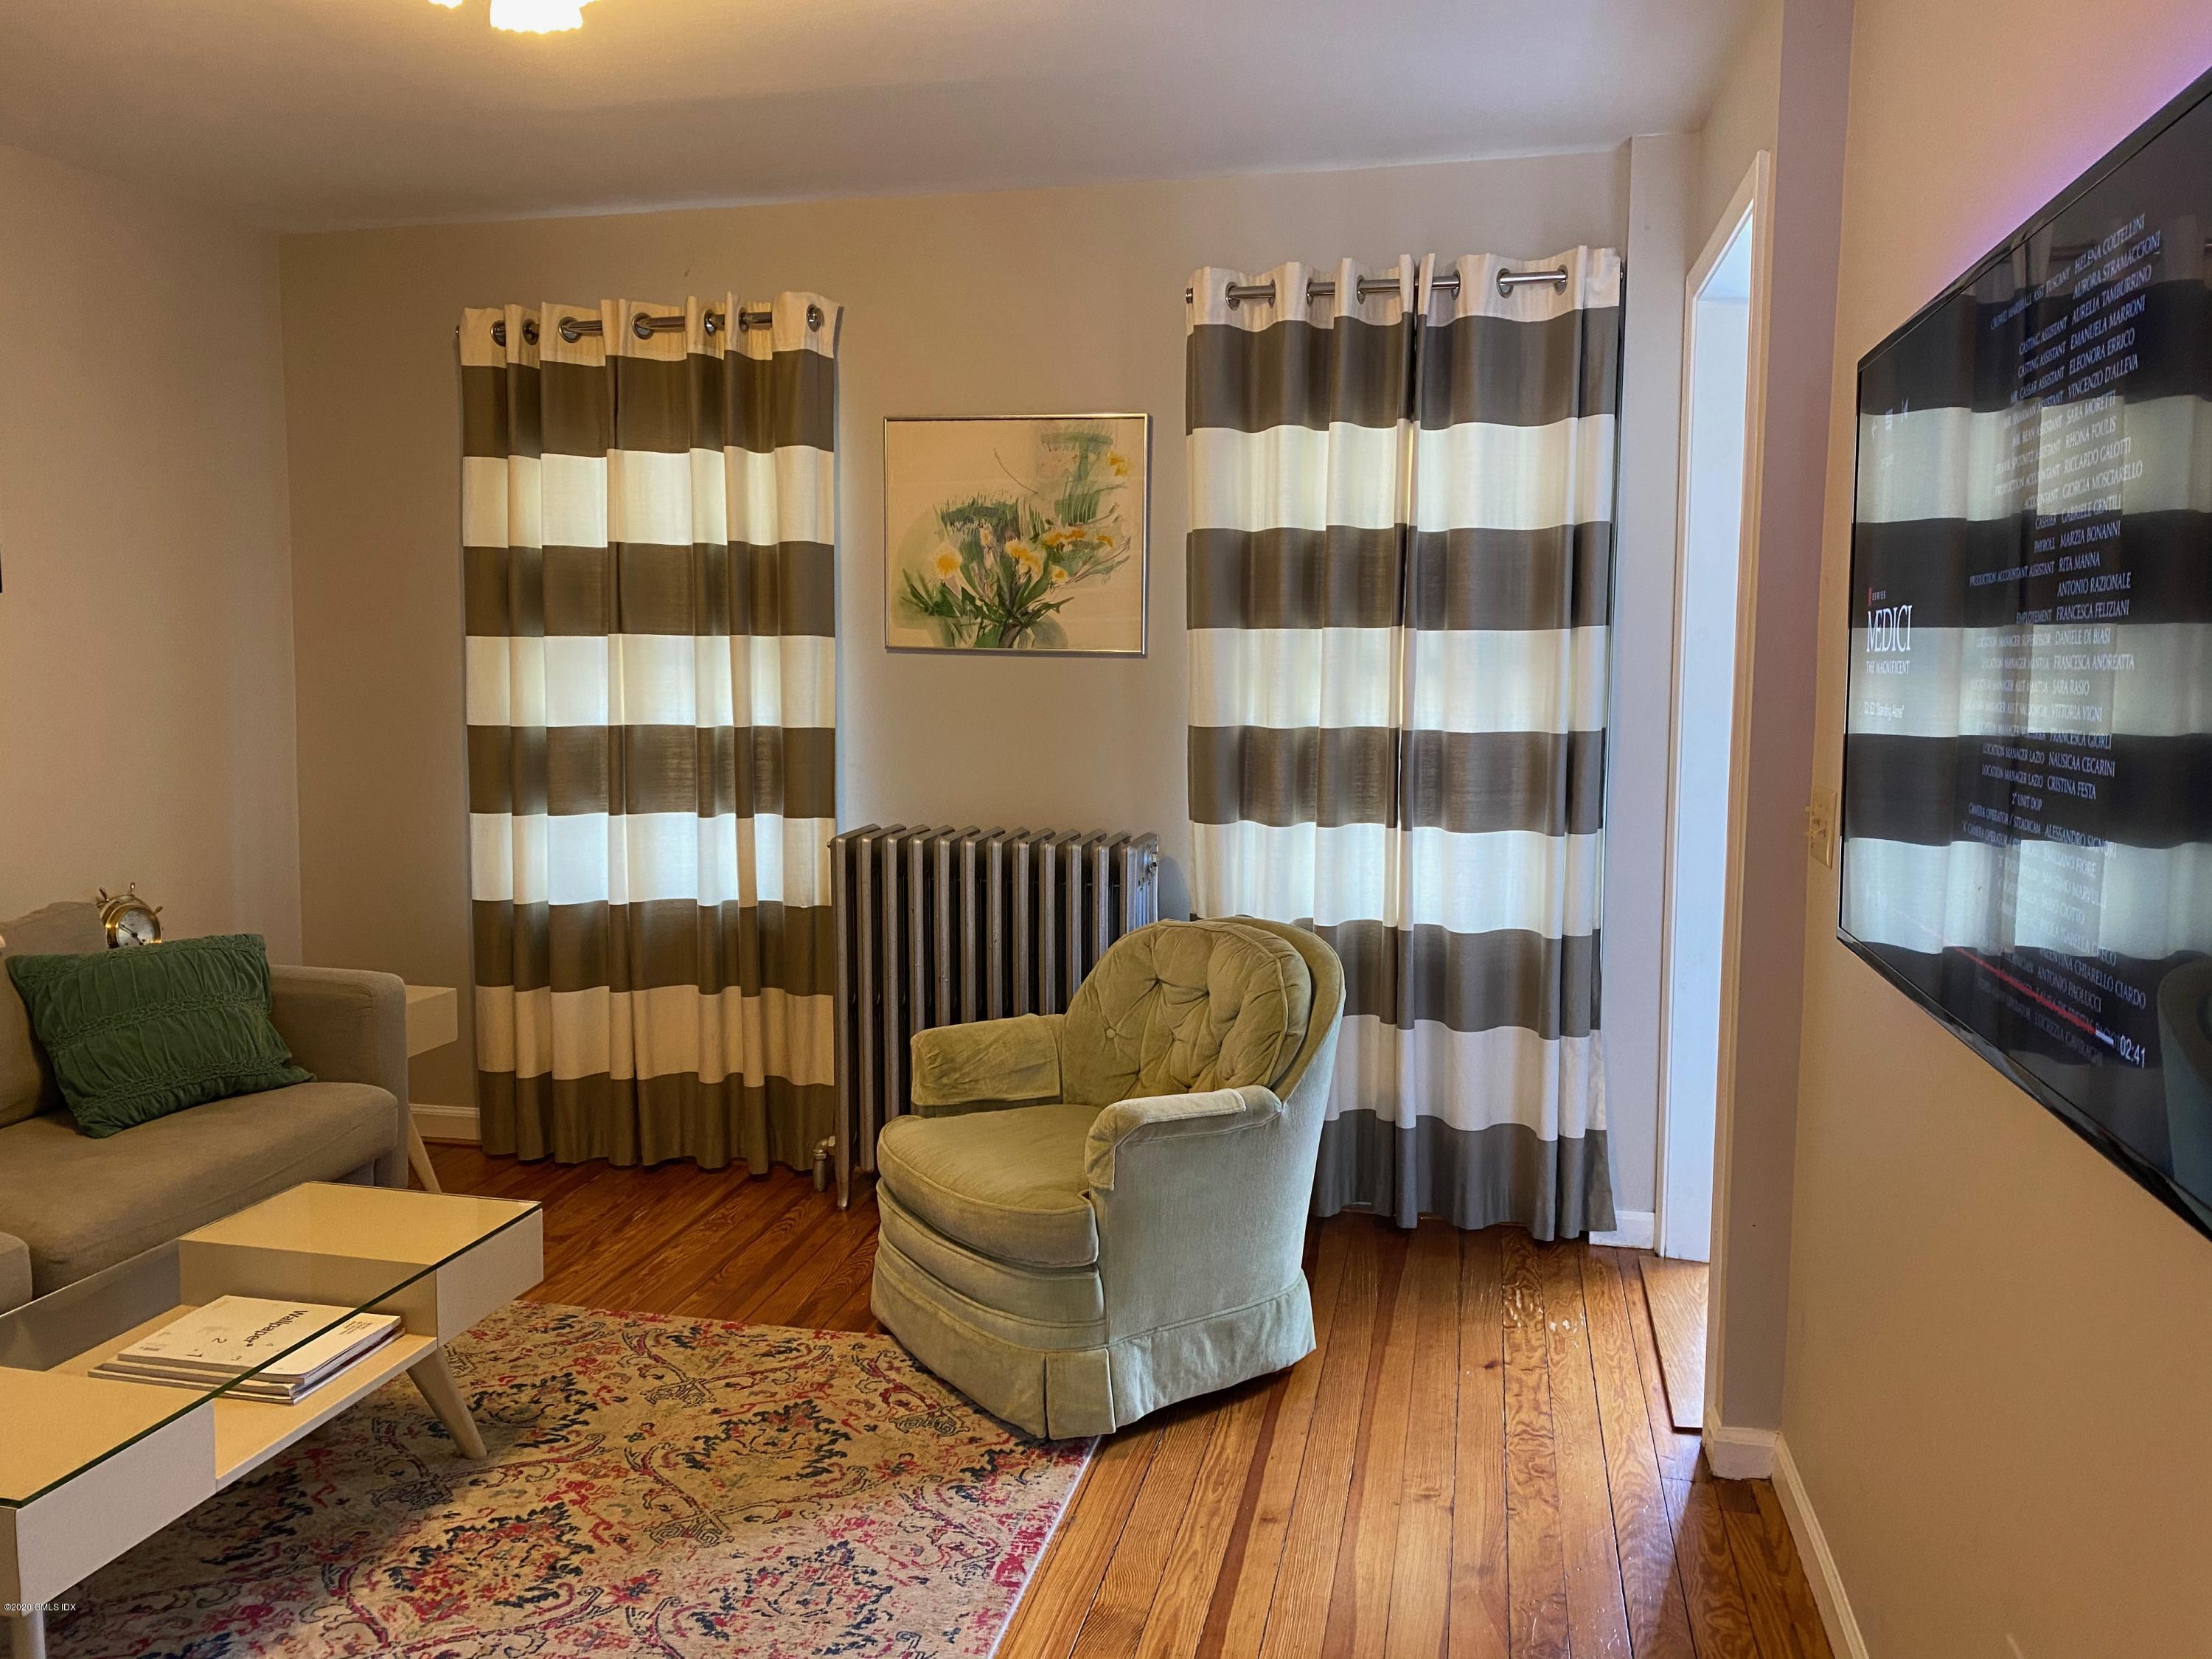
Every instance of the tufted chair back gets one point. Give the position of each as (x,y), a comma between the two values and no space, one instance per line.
(1186,1005)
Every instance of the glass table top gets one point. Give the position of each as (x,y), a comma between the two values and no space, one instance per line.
(347,1247)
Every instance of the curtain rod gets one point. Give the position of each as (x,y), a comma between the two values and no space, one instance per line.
(574,329)
(1320,288)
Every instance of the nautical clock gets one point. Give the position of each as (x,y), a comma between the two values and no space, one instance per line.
(128,918)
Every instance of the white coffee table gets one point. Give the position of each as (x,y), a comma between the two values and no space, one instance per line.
(90,1466)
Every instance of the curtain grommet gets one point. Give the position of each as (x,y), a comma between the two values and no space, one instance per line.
(814,317)
(529,330)
(498,333)
(642,326)
(569,331)
(712,323)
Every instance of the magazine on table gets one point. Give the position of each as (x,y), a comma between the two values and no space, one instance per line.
(233,1335)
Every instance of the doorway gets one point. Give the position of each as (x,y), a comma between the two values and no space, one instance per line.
(1714,569)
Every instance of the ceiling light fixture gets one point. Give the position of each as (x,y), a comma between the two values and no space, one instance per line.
(537,17)
(531,17)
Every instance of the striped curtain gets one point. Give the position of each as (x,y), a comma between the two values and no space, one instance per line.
(648,530)
(1399,556)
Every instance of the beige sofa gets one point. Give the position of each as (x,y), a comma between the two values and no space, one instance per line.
(70,1205)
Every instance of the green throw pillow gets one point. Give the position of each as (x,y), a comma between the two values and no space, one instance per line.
(137,1033)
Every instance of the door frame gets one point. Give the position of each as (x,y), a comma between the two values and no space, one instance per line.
(1753,200)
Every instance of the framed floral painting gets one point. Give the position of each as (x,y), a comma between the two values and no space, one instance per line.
(1017,533)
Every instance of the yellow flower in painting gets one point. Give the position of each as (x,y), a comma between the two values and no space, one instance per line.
(1120,463)
(1024,555)
(947,564)
(1105,537)
(1058,575)
(1054,537)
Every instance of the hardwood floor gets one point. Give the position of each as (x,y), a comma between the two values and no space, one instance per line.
(1477,1463)
(1675,1293)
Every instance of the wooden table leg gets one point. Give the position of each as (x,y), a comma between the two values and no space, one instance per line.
(436,1378)
(26,1634)
(418,1156)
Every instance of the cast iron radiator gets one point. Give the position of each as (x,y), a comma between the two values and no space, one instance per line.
(938,926)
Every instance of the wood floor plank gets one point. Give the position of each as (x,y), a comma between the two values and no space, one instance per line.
(635,1239)
(1360,1601)
(1737,1496)
(577,1205)
(1213,1636)
(856,1312)
(1678,1449)
(1251,1572)
(466,1169)
(681,1262)
(570,1261)
(460,1161)
(1066,1580)
(846,1232)
(1115,1621)
(748,1255)
(1597,1611)
(1783,1612)
(1804,1610)
(1658,1620)
(1176,1623)
(1479,1626)
(1420,1580)
(1298,1610)
(1705,1560)
(1676,1293)
(740,1286)
(1536,1572)
(856,1271)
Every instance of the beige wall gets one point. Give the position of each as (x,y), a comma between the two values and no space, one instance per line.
(1751,1290)
(1036,300)
(146,727)
(2000,1369)
(1745,118)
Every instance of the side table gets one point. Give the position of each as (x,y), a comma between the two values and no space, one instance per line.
(433,1021)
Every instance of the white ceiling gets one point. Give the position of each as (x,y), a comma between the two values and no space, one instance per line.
(310,114)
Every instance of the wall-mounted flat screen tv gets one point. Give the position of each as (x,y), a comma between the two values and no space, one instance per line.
(2027,757)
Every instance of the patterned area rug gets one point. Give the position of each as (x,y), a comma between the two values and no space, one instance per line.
(656,1486)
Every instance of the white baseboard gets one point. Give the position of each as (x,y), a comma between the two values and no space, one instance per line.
(448,1123)
(1738,1454)
(1634,1232)
(1821,1573)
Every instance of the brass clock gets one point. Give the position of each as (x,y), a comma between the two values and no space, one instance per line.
(128,918)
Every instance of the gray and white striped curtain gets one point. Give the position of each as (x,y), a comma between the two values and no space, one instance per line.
(1399,557)
(649,523)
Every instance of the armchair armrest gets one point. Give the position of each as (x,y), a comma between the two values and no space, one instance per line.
(992,1062)
(1161,1117)
(347,1025)
(1201,1201)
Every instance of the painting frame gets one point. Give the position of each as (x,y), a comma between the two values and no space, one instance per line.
(898,526)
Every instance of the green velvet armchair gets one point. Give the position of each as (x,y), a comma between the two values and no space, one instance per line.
(1091,1215)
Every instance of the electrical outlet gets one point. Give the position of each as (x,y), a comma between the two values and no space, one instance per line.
(1820,828)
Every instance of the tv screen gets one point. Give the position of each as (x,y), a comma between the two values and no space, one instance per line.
(2028,757)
